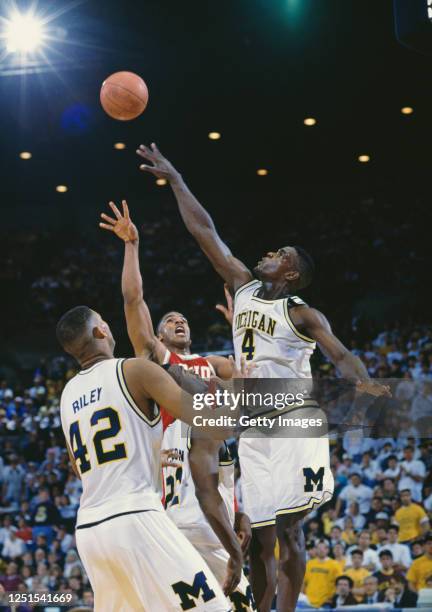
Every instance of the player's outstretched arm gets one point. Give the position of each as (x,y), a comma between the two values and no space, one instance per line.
(350,367)
(197,220)
(204,464)
(138,318)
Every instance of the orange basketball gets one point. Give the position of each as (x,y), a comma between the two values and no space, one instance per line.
(124,95)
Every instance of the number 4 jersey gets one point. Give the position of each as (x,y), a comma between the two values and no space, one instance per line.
(116,447)
(264,333)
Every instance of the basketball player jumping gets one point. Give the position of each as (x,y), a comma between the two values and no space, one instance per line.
(135,557)
(282,479)
(199,490)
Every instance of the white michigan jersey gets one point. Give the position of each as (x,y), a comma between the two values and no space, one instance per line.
(264,333)
(180,500)
(281,474)
(116,447)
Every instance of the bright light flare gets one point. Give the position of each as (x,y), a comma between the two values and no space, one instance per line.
(23,33)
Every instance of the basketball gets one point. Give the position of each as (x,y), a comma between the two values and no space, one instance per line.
(124,96)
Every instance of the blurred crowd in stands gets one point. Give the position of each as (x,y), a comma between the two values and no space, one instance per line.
(359,257)
(371,543)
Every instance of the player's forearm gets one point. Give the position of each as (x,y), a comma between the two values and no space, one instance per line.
(132,286)
(213,506)
(351,367)
(194,215)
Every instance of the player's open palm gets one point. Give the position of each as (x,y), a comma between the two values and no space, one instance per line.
(121,225)
(161,167)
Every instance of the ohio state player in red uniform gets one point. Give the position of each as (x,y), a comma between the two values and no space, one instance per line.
(171,345)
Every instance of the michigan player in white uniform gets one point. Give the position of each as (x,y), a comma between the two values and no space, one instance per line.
(199,498)
(199,490)
(135,557)
(263,332)
(284,350)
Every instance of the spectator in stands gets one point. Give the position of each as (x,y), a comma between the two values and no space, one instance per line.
(11,579)
(357,573)
(405,598)
(411,518)
(13,547)
(393,469)
(13,482)
(355,492)
(369,555)
(344,596)
(386,572)
(400,552)
(338,553)
(371,593)
(412,474)
(421,568)
(320,577)
(45,513)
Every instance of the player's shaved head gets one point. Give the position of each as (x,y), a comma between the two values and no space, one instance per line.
(306,268)
(74,326)
(80,330)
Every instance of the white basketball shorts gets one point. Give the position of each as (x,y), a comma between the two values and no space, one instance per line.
(141,561)
(283,475)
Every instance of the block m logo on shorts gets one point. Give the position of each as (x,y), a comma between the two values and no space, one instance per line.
(188,593)
(313,478)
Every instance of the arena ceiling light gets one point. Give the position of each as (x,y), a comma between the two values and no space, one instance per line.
(310,121)
(215,135)
(407,110)
(119,146)
(364,159)
(23,33)
(25,155)
(161,182)
(262,171)
(61,188)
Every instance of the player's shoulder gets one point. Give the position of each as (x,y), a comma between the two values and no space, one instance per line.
(294,300)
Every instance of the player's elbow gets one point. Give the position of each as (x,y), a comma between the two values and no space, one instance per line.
(133,295)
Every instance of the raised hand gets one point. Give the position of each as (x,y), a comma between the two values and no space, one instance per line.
(122,225)
(161,167)
(228,310)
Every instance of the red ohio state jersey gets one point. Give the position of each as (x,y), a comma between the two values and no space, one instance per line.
(194,363)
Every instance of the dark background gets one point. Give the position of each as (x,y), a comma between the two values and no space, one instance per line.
(253,70)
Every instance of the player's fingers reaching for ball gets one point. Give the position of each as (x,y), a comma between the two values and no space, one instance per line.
(108,219)
(145,152)
(115,210)
(151,169)
(104,226)
(125,209)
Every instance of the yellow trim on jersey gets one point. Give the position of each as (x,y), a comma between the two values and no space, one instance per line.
(293,327)
(313,501)
(257,299)
(189,438)
(263,523)
(245,286)
(226,463)
(130,400)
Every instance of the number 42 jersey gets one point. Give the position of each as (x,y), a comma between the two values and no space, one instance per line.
(115,446)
